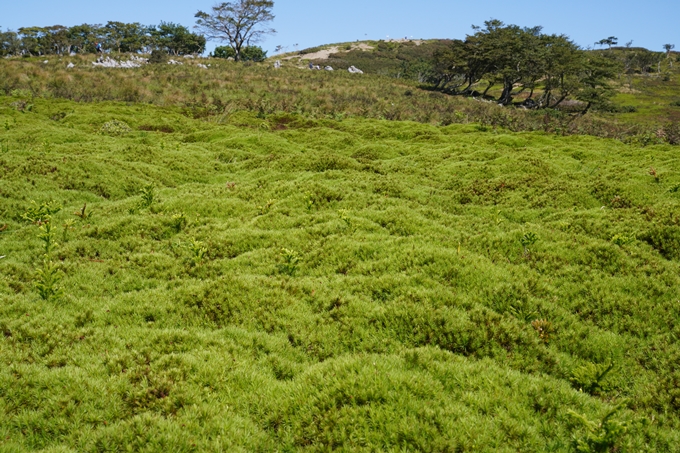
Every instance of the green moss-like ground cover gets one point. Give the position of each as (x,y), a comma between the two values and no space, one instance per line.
(284,284)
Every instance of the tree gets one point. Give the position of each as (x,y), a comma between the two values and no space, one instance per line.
(563,70)
(240,23)
(595,90)
(450,68)
(522,59)
(176,39)
(10,44)
(83,37)
(123,37)
(668,48)
(611,41)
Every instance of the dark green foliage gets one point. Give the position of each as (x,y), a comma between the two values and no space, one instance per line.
(590,378)
(114,36)
(523,60)
(248,53)
(176,39)
(158,57)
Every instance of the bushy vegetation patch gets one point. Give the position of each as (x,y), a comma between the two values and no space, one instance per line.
(258,282)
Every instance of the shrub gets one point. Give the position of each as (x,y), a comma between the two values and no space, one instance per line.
(41,213)
(115,128)
(590,378)
(47,279)
(670,133)
(248,53)
(291,258)
(158,57)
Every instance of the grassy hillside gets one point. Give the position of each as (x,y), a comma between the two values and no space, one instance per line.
(227,88)
(650,98)
(261,281)
(397,59)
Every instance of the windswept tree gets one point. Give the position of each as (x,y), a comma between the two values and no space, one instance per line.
(241,23)
(523,60)
(611,41)
(668,48)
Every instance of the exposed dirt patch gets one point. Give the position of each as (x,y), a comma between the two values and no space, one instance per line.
(326,53)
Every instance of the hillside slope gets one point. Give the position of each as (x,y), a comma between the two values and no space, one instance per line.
(272,282)
(641,97)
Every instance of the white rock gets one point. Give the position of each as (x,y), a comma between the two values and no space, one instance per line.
(201,65)
(70,65)
(108,62)
(46,61)
(354,70)
(328,68)
(277,64)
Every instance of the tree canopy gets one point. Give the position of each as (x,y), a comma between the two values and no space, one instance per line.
(240,23)
(522,59)
(113,36)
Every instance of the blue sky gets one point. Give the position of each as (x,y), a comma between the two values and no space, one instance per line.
(308,23)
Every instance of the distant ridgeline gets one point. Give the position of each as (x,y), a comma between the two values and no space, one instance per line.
(114,36)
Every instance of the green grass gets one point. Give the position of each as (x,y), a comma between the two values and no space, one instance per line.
(272,282)
(227,89)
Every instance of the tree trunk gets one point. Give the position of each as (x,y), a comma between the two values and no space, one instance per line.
(587,108)
(506,95)
(488,87)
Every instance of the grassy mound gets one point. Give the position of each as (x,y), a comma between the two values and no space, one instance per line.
(273,282)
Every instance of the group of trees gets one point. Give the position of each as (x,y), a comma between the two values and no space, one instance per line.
(548,68)
(114,36)
(640,60)
(240,24)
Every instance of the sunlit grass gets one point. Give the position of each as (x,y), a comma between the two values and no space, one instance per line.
(274,282)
